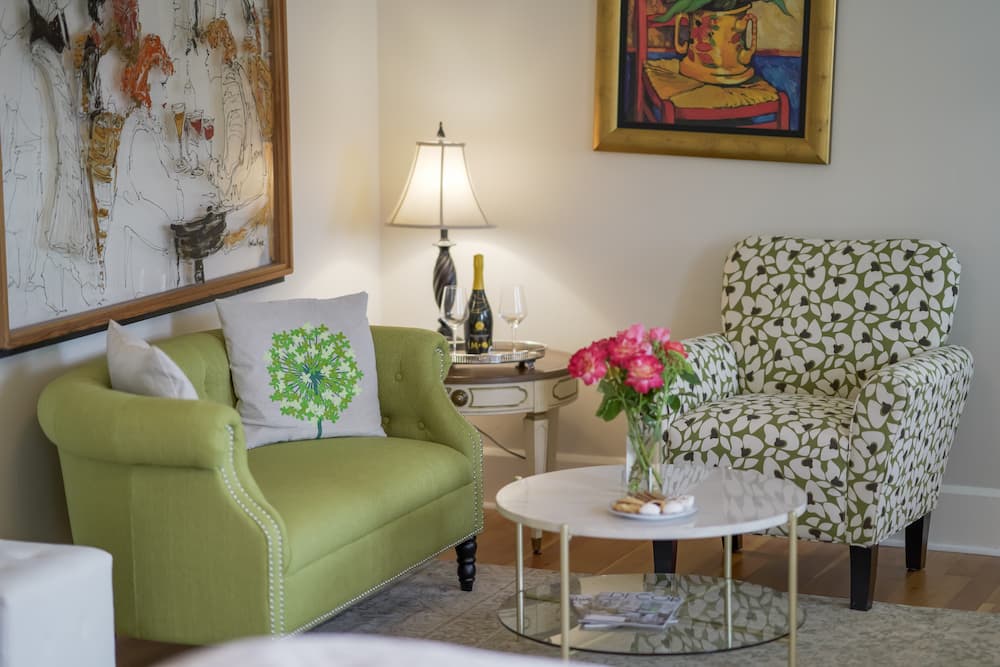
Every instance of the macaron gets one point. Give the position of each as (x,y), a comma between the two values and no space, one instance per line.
(649,508)
(673,507)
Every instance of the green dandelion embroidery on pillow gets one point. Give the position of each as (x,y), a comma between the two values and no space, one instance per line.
(314,374)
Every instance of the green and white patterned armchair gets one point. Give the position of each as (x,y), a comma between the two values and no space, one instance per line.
(832,372)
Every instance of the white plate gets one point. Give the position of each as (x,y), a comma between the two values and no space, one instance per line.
(654,517)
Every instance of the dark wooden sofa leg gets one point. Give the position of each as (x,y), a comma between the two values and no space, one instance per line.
(466,552)
(916,543)
(664,556)
(864,566)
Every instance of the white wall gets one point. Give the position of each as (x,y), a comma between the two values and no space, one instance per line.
(334,135)
(606,239)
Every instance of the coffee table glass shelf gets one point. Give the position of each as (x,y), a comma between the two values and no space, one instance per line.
(717,614)
(758,615)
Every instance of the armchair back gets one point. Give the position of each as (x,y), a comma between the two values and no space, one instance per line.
(820,316)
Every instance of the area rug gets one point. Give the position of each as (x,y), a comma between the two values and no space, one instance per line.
(428,604)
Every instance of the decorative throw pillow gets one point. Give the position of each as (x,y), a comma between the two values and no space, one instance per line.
(302,368)
(137,367)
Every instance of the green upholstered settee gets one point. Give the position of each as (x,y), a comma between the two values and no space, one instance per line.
(832,371)
(211,541)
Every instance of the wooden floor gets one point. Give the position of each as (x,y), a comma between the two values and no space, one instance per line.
(951,580)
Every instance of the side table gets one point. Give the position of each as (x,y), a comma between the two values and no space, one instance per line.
(537,391)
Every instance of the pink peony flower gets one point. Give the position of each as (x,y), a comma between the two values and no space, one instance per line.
(588,363)
(676,347)
(659,335)
(601,346)
(627,344)
(645,373)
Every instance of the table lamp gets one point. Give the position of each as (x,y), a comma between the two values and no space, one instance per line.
(438,193)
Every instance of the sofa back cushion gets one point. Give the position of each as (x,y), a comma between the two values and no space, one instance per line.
(819,316)
(202,357)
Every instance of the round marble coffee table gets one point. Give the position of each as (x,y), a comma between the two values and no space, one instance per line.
(577,502)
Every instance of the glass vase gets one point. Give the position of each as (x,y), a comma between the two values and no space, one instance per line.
(643,455)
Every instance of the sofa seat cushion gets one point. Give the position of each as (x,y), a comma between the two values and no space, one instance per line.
(799,437)
(332,492)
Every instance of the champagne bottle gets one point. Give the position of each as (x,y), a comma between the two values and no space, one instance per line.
(479,326)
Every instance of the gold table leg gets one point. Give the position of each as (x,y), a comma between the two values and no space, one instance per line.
(793,586)
(519,577)
(727,546)
(564,588)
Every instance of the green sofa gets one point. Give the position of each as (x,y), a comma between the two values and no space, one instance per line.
(211,541)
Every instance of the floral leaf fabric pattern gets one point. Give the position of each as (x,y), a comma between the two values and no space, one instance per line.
(804,439)
(313,373)
(812,316)
(833,373)
(714,360)
(904,422)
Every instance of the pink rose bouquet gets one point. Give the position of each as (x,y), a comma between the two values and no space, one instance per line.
(639,372)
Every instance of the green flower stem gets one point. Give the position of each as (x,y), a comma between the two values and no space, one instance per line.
(639,438)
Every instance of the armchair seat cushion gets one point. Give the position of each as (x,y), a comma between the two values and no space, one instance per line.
(799,437)
(333,492)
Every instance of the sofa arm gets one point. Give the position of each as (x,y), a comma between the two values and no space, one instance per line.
(904,423)
(81,414)
(714,360)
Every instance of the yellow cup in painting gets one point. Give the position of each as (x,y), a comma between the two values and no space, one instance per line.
(720,45)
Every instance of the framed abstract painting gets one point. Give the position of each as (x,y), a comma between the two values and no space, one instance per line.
(748,79)
(145,159)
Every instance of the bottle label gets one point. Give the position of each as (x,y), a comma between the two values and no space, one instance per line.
(479,326)
(480,338)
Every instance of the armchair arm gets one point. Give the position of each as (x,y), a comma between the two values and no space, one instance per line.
(904,423)
(714,360)
(80,413)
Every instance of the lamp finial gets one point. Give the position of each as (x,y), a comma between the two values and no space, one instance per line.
(440,130)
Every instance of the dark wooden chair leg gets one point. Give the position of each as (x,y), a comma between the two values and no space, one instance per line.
(466,552)
(864,567)
(665,556)
(916,543)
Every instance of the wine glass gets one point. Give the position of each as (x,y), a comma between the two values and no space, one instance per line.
(513,309)
(179,111)
(195,124)
(208,131)
(454,310)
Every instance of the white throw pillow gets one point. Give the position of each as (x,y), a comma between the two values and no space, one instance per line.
(302,368)
(137,367)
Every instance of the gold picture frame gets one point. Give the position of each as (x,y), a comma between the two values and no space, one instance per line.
(214,246)
(614,131)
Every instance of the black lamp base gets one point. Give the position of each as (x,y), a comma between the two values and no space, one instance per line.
(444,275)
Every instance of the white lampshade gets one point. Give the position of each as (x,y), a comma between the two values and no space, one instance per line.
(438,192)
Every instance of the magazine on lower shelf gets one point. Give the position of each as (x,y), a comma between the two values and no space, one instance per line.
(626,610)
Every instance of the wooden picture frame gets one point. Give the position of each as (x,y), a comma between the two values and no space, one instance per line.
(232,188)
(647,102)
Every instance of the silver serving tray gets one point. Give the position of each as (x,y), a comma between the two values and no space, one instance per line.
(502,353)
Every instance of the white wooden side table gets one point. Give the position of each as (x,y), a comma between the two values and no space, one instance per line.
(537,391)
